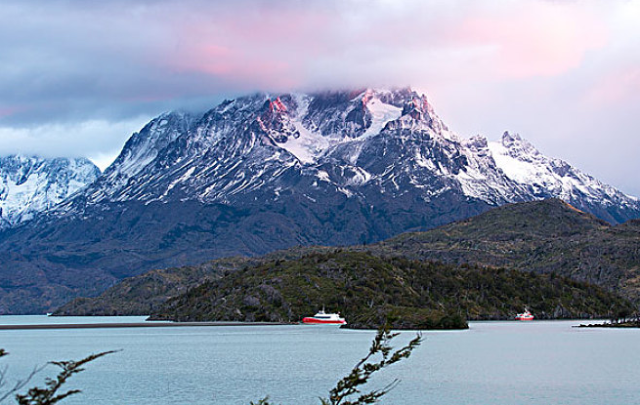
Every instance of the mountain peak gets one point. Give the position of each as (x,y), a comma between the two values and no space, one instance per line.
(418,108)
(30,185)
(276,105)
(518,145)
(387,139)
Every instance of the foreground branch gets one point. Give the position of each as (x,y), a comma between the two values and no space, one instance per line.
(47,395)
(351,385)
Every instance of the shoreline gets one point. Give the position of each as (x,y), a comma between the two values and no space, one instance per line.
(620,325)
(133,325)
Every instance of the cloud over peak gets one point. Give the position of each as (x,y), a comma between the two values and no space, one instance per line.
(488,65)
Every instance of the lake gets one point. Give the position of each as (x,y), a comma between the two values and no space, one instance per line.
(510,363)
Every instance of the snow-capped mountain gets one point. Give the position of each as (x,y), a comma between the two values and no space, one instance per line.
(30,185)
(267,172)
(386,143)
(545,177)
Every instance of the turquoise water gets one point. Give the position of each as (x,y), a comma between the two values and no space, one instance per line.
(492,363)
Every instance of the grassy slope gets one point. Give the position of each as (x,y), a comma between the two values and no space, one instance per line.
(543,236)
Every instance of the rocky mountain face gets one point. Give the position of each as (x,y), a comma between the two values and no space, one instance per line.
(262,173)
(30,185)
(367,145)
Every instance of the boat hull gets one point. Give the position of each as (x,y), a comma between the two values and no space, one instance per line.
(314,321)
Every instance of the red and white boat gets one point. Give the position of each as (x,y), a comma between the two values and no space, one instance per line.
(525,316)
(322,318)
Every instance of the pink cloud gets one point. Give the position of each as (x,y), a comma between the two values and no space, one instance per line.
(235,66)
(267,47)
(619,86)
(537,39)
(292,46)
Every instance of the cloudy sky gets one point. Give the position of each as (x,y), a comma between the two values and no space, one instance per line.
(78,77)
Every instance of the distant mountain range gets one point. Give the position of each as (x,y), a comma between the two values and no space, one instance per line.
(262,173)
(30,185)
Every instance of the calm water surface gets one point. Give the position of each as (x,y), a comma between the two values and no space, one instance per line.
(492,363)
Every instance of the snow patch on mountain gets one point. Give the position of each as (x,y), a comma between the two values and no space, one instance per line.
(381,114)
(308,146)
(522,164)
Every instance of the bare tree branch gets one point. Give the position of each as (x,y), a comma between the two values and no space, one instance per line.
(19,384)
(362,371)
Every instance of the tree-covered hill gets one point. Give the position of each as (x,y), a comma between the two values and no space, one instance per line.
(145,293)
(367,289)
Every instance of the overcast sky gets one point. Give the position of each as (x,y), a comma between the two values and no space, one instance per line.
(78,77)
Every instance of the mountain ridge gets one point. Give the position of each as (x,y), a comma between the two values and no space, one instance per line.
(307,134)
